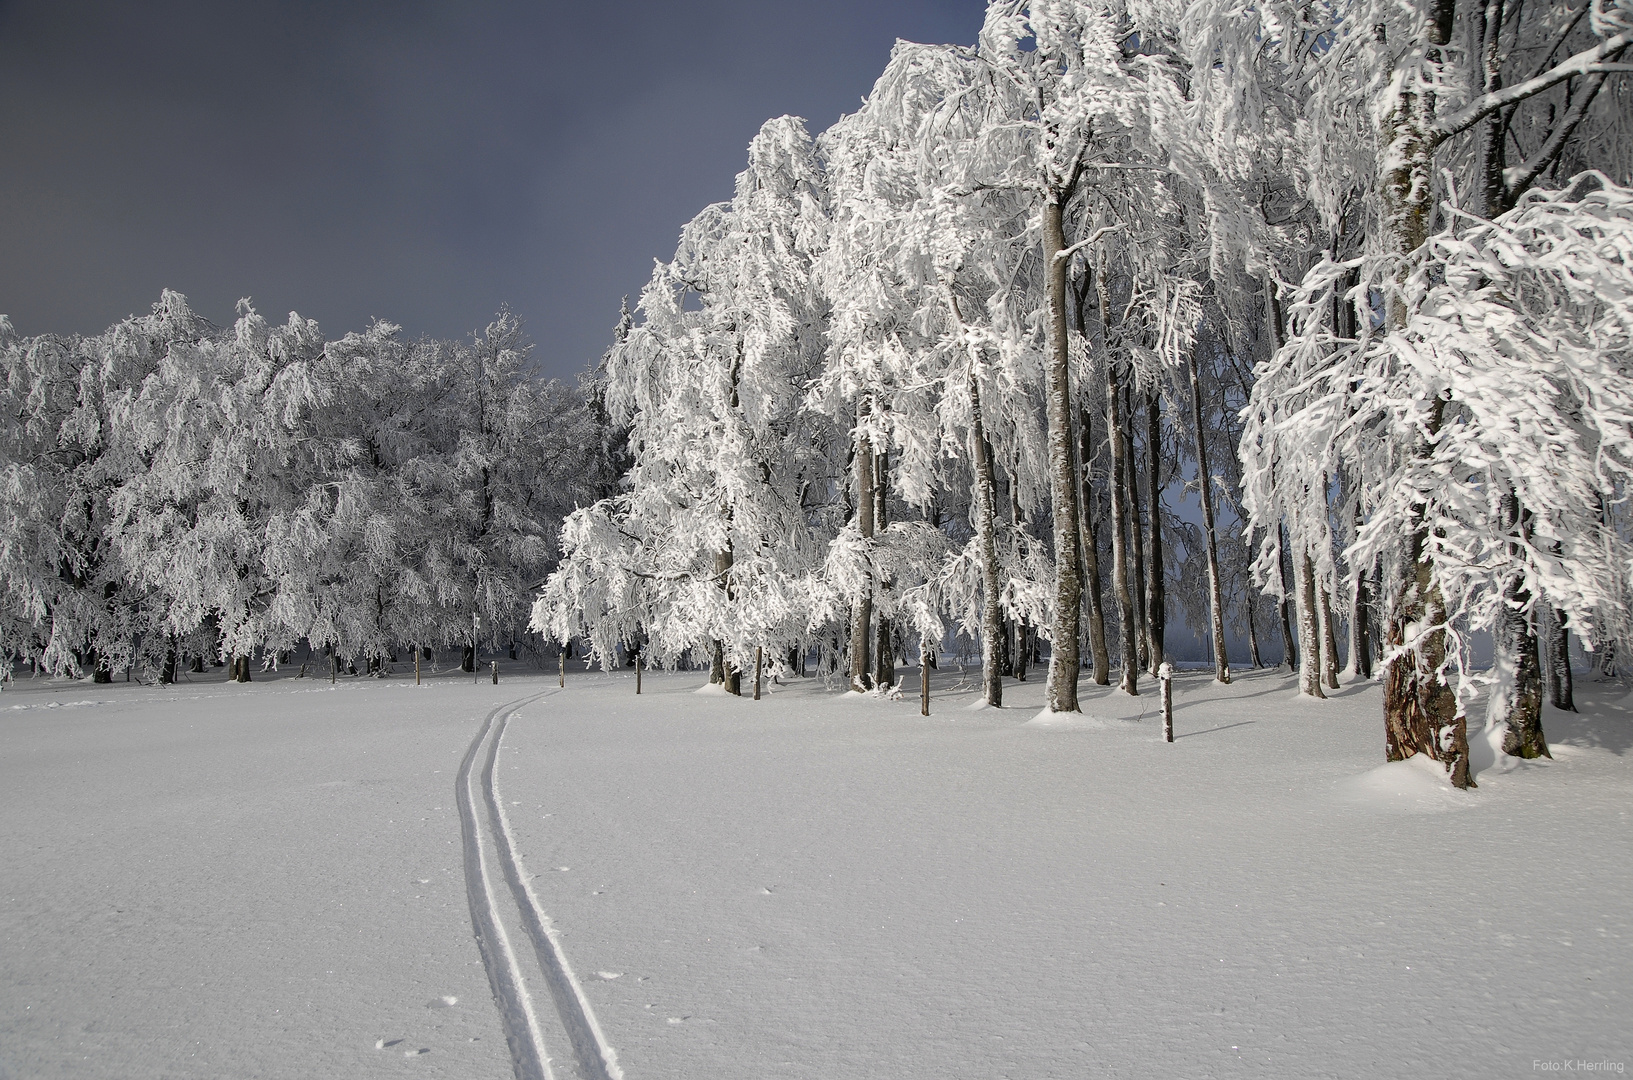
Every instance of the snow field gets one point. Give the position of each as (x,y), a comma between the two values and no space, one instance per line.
(266,881)
(824,885)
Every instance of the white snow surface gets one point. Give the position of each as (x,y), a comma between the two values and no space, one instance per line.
(265,881)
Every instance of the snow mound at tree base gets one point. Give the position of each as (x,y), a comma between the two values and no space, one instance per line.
(1418,785)
(1049,720)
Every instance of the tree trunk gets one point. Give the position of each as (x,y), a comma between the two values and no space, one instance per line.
(1421,714)
(1309,633)
(862,606)
(1156,598)
(1561,693)
(884,668)
(1329,639)
(1091,558)
(1129,678)
(1142,641)
(1289,651)
(1216,601)
(1421,711)
(467,659)
(1360,628)
(1516,695)
(1063,487)
(984,500)
(1252,631)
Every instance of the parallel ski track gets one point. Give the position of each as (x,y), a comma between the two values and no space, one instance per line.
(595,1060)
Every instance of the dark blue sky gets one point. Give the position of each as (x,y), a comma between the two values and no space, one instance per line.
(422,163)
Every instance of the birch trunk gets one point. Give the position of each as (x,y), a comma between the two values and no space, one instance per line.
(1129,679)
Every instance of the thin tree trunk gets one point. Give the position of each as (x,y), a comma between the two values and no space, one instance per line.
(1252,630)
(1136,526)
(1091,559)
(1289,651)
(1156,596)
(1216,601)
(1128,681)
(884,668)
(985,497)
(1561,690)
(862,606)
(1309,632)
(1063,488)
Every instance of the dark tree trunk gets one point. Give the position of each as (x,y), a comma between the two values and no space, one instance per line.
(467,659)
(1518,690)
(1136,525)
(984,502)
(1063,487)
(1128,681)
(1091,559)
(1253,631)
(1216,601)
(1156,598)
(1289,651)
(884,668)
(1561,693)
(862,606)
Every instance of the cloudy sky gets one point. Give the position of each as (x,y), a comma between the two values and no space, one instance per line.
(422,163)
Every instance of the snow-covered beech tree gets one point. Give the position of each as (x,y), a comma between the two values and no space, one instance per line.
(729,500)
(73,607)
(1422,412)
(171,490)
(1400,96)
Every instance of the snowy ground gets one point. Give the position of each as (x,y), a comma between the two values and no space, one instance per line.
(269,881)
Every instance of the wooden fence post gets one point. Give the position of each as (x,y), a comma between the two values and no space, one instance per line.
(1165,675)
(924,682)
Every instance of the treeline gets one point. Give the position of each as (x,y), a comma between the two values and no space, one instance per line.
(1355,275)
(176,493)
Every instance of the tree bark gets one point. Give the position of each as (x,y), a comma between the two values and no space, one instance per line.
(1156,594)
(1309,632)
(862,606)
(1142,640)
(1063,486)
(1216,602)
(884,668)
(1329,639)
(1561,692)
(1421,711)
(1128,681)
(1516,695)
(1289,649)
(984,500)
(1091,558)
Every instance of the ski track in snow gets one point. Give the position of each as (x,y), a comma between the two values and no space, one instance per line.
(592,1057)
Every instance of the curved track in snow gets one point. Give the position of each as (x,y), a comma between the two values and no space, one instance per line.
(570,1027)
